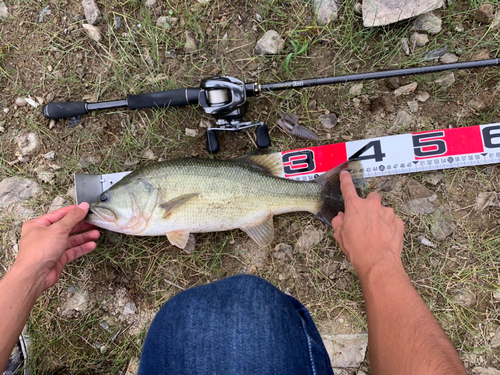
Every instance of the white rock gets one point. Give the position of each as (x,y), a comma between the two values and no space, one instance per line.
(191,46)
(448,58)
(441,226)
(150,3)
(129,309)
(149,154)
(20,102)
(92,13)
(167,22)
(406,89)
(355,90)
(51,155)
(496,297)
(485,200)
(424,241)
(192,132)
(270,43)
(93,32)
(57,203)
(428,23)
(4,11)
(419,40)
(44,175)
(402,120)
(446,81)
(405,46)
(422,96)
(384,12)
(326,11)
(346,350)
(496,20)
(413,105)
(78,301)
(32,103)
(485,371)
(310,237)
(27,143)
(464,297)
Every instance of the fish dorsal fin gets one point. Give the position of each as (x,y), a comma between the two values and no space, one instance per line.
(267,160)
(172,204)
(179,238)
(262,233)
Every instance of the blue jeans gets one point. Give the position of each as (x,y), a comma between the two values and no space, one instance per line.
(238,325)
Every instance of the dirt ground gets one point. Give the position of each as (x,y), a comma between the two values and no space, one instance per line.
(80,326)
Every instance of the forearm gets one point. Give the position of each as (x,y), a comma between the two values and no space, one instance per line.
(19,290)
(404,337)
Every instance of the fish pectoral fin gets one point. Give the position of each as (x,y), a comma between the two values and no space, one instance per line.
(179,238)
(262,233)
(172,204)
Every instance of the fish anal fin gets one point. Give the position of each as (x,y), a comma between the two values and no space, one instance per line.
(172,204)
(262,233)
(179,238)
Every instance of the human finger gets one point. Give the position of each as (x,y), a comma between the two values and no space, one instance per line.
(53,216)
(79,239)
(82,227)
(74,217)
(347,187)
(337,221)
(79,251)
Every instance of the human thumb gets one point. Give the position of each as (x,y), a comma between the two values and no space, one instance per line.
(337,221)
(73,217)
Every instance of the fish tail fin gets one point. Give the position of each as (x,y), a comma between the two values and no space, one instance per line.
(332,201)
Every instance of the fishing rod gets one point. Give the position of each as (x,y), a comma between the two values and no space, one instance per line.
(225,98)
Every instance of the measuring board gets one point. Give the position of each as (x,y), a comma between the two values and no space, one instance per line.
(383,156)
(397,154)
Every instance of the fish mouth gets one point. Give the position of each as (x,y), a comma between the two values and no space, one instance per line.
(101,214)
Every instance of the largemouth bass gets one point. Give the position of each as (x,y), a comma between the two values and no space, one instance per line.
(183,196)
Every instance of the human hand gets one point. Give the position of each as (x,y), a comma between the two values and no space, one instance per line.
(368,233)
(51,241)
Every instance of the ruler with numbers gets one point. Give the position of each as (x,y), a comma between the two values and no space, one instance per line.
(383,156)
(404,153)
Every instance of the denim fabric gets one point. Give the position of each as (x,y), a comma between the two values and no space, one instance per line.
(238,325)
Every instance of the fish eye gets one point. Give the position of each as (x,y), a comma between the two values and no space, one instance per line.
(104,197)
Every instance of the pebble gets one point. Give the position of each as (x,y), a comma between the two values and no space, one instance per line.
(435,54)
(17,189)
(150,3)
(77,301)
(27,143)
(346,350)
(328,121)
(45,11)
(20,102)
(393,83)
(51,155)
(57,203)
(434,178)
(446,81)
(192,132)
(496,297)
(422,96)
(419,199)
(358,8)
(459,28)
(449,58)
(424,241)
(384,12)
(258,17)
(88,160)
(92,13)
(428,23)
(310,236)
(44,175)
(4,11)
(405,46)
(401,122)
(419,39)
(148,154)
(406,89)
(191,46)
(133,365)
(129,309)
(441,226)
(413,105)
(484,14)
(356,89)
(486,199)
(117,22)
(476,104)
(271,43)
(93,32)
(32,103)
(326,11)
(481,55)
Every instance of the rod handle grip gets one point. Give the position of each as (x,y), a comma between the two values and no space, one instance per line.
(59,110)
(168,98)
